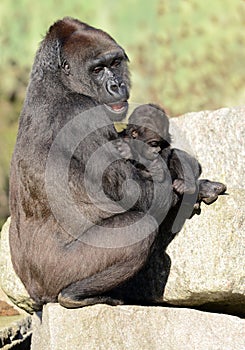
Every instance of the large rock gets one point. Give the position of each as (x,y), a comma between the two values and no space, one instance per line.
(208,254)
(208,257)
(9,281)
(134,327)
(217,139)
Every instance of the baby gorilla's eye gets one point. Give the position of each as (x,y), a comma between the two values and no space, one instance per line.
(153,144)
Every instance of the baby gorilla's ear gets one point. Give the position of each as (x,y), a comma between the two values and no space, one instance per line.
(134,134)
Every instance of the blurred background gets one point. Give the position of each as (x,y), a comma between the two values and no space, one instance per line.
(186,55)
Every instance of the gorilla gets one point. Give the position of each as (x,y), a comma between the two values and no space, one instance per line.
(149,124)
(72,238)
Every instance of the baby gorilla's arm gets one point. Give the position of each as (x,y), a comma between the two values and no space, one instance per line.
(184,170)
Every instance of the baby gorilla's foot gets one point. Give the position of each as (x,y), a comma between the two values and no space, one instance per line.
(210,190)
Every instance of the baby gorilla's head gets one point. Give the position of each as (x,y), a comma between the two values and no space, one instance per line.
(150,125)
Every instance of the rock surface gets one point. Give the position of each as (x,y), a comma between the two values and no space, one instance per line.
(15,325)
(9,281)
(208,254)
(208,257)
(217,139)
(135,327)
(14,331)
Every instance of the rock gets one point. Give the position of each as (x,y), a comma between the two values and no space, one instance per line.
(208,257)
(208,254)
(15,325)
(15,332)
(135,327)
(217,139)
(9,281)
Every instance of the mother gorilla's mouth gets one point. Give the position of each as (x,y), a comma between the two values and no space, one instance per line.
(117,107)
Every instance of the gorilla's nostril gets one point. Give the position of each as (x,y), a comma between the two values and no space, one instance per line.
(114,87)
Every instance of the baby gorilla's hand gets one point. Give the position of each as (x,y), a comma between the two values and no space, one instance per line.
(181,186)
(123,148)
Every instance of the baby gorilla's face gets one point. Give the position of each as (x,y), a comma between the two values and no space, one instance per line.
(150,145)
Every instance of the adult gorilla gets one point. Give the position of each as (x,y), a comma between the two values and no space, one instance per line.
(56,256)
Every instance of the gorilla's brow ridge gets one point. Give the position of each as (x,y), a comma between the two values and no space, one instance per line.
(107,57)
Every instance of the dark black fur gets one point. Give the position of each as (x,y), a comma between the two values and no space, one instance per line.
(76,67)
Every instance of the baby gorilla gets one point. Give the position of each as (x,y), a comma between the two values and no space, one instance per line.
(146,138)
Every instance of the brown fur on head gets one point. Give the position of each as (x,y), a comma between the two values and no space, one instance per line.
(72,33)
